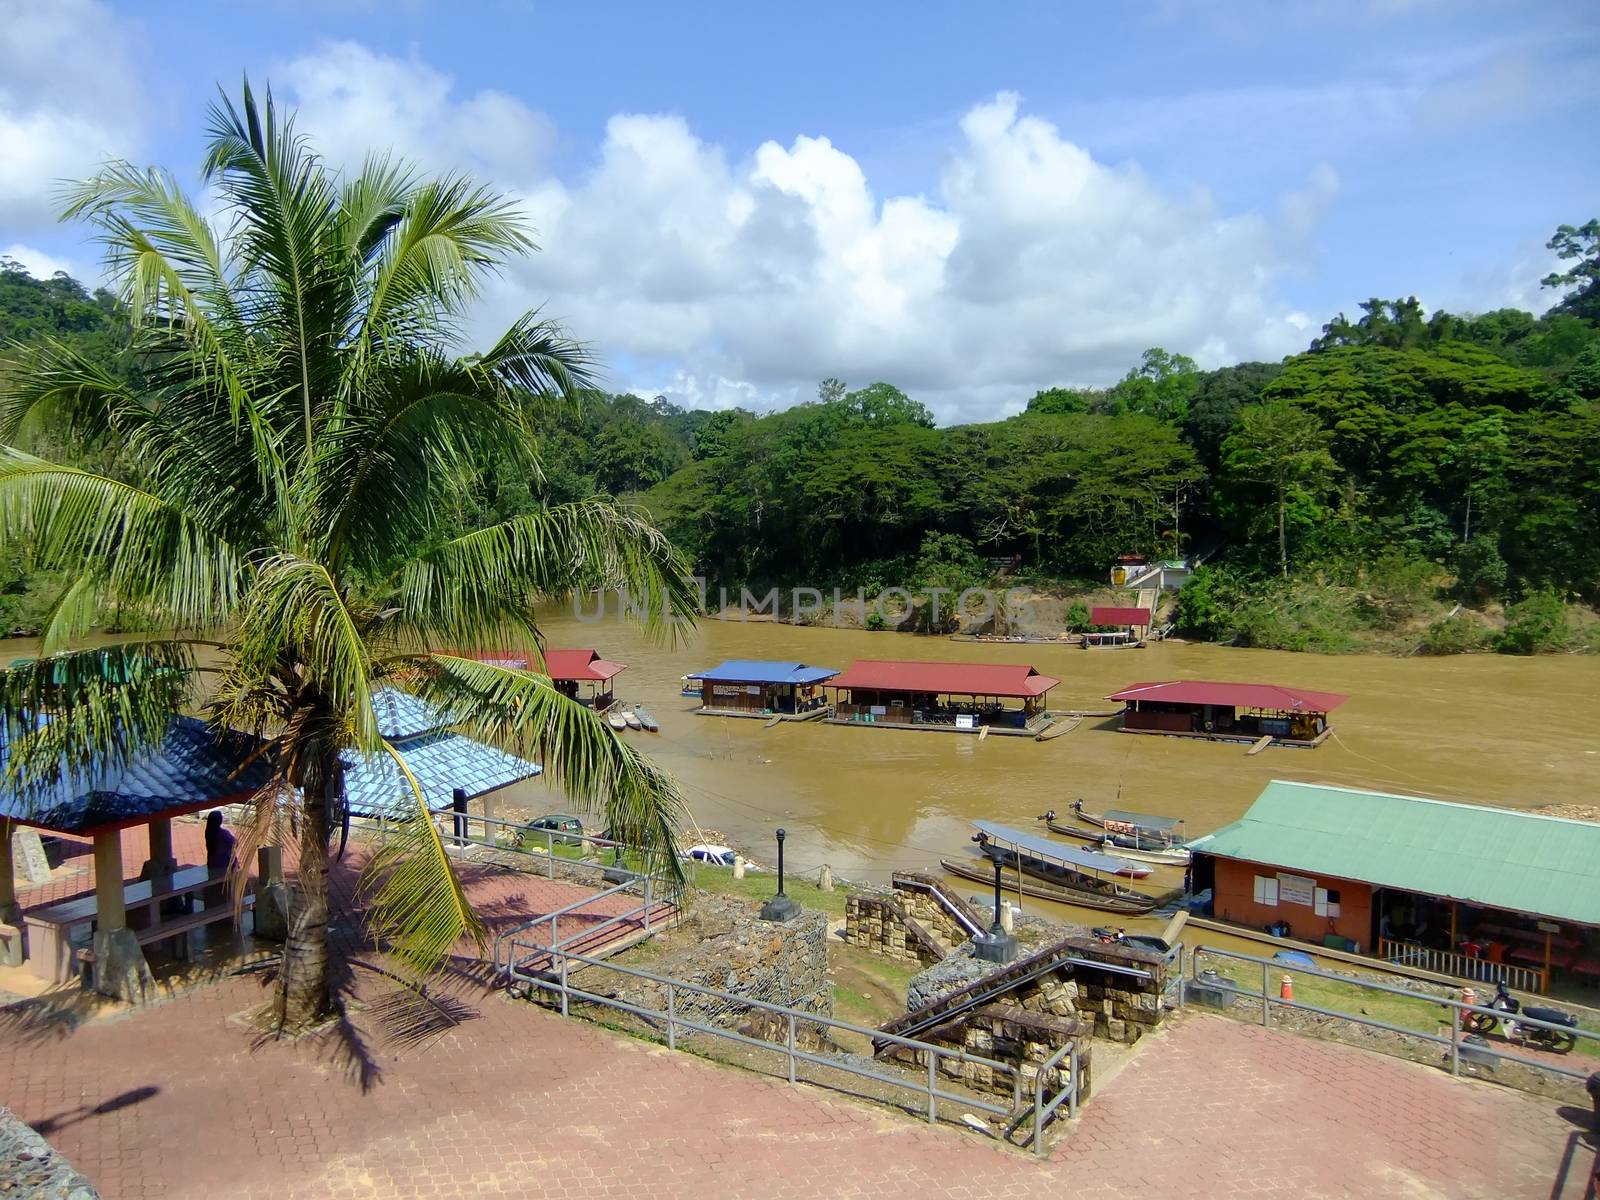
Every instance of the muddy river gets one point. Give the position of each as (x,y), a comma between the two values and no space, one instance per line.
(1486,729)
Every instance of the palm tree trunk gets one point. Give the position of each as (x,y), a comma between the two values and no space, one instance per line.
(304,984)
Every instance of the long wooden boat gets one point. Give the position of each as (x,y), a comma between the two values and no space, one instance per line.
(1149,829)
(1123,845)
(1080,871)
(980,870)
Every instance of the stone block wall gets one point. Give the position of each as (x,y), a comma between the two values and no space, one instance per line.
(915,891)
(879,923)
(778,963)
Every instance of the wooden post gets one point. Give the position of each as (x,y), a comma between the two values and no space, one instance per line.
(110,911)
(8,879)
(161,844)
(1546,981)
(1452,927)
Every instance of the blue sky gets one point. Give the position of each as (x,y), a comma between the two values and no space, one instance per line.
(972,201)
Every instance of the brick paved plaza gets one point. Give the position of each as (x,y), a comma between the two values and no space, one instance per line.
(181,1101)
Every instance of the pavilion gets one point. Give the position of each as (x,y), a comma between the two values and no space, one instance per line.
(1229,712)
(956,697)
(580,675)
(743,687)
(1116,626)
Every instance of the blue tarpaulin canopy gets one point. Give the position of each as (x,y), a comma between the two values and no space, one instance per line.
(1038,847)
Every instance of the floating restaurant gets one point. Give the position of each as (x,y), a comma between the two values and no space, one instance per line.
(1115,626)
(955,697)
(1458,889)
(1264,713)
(744,687)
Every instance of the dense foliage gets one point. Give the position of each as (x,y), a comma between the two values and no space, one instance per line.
(1469,442)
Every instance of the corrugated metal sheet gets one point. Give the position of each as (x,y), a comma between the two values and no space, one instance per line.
(1119,616)
(402,715)
(1518,861)
(193,768)
(584,665)
(1233,695)
(946,678)
(441,762)
(1042,847)
(757,670)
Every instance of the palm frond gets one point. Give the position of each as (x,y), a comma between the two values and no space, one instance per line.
(72,715)
(457,594)
(523,713)
(296,613)
(143,550)
(419,909)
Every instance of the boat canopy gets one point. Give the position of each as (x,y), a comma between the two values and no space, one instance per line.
(1142,820)
(1039,847)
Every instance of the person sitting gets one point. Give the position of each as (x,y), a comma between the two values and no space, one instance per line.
(219,856)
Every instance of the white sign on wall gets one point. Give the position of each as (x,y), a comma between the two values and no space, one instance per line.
(1296,889)
(966,721)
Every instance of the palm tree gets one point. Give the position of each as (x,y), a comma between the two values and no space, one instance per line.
(300,430)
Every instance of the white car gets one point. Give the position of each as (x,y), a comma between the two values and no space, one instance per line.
(715,856)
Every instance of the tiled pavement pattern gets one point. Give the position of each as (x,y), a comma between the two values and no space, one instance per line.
(514,1101)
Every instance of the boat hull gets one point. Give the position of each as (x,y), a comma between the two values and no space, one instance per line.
(1172,856)
(1132,904)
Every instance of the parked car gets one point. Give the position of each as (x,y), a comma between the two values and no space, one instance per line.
(713,855)
(565,830)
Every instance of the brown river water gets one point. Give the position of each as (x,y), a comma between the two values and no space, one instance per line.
(1487,729)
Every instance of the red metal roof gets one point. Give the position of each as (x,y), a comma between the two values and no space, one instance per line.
(945,678)
(578,665)
(1232,695)
(1111,615)
(584,665)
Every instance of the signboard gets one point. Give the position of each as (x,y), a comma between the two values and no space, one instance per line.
(753,689)
(726,689)
(879,710)
(1548,927)
(966,721)
(1296,889)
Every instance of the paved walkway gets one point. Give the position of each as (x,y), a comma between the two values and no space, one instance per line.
(179,1101)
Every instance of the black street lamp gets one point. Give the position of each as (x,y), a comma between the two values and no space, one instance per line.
(996,946)
(781,907)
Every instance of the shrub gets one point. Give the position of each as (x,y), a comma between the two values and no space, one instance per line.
(1536,624)
(1480,570)
(875,621)
(1460,634)
(1077,616)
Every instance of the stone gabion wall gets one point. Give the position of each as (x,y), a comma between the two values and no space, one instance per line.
(878,923)
(30,1166)
(783,964)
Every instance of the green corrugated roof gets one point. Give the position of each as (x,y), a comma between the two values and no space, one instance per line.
(1519,861)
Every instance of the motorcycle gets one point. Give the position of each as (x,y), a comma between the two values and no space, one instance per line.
(1516,1031)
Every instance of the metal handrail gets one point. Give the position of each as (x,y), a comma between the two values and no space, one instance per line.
(1041,1109)
(1456,1007)
(565,910)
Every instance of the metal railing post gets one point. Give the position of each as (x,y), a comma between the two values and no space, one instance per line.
(549,854)
(933,1086)
(1072,1097)
(1038,1114)
(1266,1002)
(563,985)
(672,1017)
(1455,1038)
(647,902)
(791,1047)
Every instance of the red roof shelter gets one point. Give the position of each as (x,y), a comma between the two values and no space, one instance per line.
(1264,712)
(1111,615)
(581,666)
(958,697)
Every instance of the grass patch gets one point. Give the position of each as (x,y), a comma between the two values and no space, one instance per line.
(759,885)
(1418,1013)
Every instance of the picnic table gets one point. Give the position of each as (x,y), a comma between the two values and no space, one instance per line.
(56,933)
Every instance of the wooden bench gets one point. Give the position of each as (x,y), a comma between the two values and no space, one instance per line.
(54,952)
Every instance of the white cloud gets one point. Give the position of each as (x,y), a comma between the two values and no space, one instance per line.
(69,99)
(358,101)
(721,279)
(39,264)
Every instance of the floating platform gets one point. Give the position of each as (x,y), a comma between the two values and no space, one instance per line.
(1257,742)
(770,718)
(1033,729)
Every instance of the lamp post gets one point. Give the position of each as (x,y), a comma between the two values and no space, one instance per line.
(996,946)
(781,907)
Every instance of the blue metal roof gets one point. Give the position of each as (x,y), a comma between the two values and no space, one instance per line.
(758,670)
(194,767)
(1038,847)
(402,715)
(441,762)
